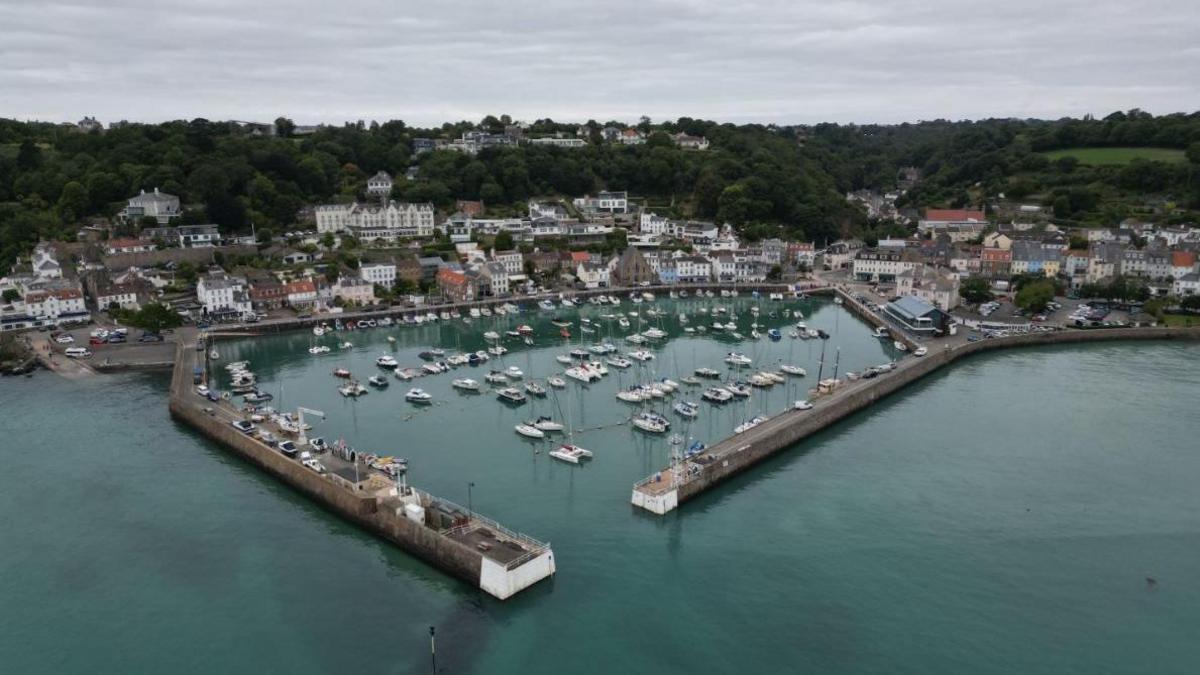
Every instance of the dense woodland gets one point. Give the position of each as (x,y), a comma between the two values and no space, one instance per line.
(788,181)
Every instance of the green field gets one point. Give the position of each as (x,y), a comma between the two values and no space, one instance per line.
(1117,156)
(1181,320)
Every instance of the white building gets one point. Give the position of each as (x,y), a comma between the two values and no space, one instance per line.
(158,205)
(653,224)
(559,142)
(354,290)
(368,222)
(882,265)
(45,264)
(496,277)
(223,294)
(695,268)
(605,202)
(379,185)
(382,274)
(513,261)
(592,275)
(964,219)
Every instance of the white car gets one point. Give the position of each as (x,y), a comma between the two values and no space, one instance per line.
(802,405)
(64,339)
(202,390)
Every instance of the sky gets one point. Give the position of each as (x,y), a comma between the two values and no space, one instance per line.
(434,61)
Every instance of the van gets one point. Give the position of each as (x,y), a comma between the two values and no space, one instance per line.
(77,352)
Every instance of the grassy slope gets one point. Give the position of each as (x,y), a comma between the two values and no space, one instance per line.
(1117,156)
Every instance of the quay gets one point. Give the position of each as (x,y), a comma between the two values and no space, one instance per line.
(456,540)
(686,478)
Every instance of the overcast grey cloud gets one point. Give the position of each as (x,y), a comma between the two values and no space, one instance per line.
(434,61)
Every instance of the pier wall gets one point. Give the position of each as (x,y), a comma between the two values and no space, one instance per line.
(365,510)
(731,457)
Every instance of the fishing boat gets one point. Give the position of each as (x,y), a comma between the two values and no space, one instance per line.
(378,381)
(793,370)
(419,396)
(352,389)
(569,453)
(651,422)
(511,395)
(386,361)
(465,384)
(535,389)
(750,424)
(529,431)
(686,409)
(556,381)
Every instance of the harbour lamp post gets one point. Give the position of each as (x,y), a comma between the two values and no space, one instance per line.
(470,510)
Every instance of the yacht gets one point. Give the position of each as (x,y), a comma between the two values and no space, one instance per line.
(750,424)
(739,390)
(618,362)
(417,395)
(386,361)
(668,384)
(556,381)
(631,395)
(760,380)
(793,370)
(686,409)
(465,384)
(636,339)
(535,389)
(546,424)
(583,374)
(690,380)
(529,431)
(511,395)
(572,454)
(491,335)
(641,355)
(717,395)
(654,333)
(651,422)
(736,359)
(378,381)
(496,377)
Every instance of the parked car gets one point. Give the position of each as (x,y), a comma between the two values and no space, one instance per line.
(243,426)
(78,352)
(64,339)
(150,337)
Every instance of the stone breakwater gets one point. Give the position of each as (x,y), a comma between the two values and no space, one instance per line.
(667,489)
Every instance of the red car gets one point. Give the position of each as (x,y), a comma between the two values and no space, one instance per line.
(95,341)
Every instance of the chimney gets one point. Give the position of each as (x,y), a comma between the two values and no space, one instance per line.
(156,190)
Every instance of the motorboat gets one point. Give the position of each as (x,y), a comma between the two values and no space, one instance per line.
(636,339)
(318,330)
(350,345)
(564,359)
(750,424)
(378,381)
(342,373)
(386,361)
(641,355)
(880,332)
(465,384)
(458,359)
(651,422)
(511,395)
(491,335)
(920,351)
(581,354)
(479,357)
(707,373)
(793,370)
(514,373)
(717,395)
(529,431)
(556,381)
(736,359)
(900,346)
(774,335)
(569,453)
(546,424)
(654,334)
(546,304)
(257,396)
(623,323)
(318,349)
(417,395)
(690,380)
(618,362)
(474,313)
(352,389)
(435,368)
(497,350)
(406,374)
(686,409)
(535,389)
(495,377)
(525,329)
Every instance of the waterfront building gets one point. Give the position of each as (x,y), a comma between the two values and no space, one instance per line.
(357,291)
(223,296)
(592,275)
(382,274)
(631,269)
(917,316)
(385,222)
(926,283)
(455,285)
(883,265)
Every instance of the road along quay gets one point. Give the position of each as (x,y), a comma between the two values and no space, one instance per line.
(687,477)
(456,540)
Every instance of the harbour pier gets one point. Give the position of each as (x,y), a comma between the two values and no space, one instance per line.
(456,540)
(688,477)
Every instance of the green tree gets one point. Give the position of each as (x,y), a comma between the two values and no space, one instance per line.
(503,241)
(284,127)
(1035,296)
(73,203)
(976,290)
(11,295)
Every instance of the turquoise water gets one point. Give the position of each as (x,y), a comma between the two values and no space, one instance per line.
(999,517)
